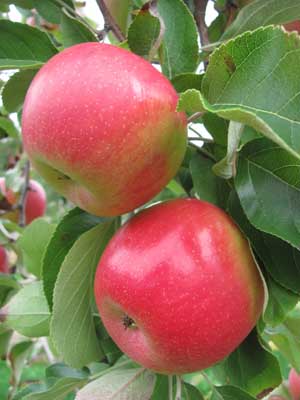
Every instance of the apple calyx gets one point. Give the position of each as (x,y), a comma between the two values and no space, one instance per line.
(128,322)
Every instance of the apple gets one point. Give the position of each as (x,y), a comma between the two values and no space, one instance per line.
(100,125)
(294,384)
(292,26)
(35,201)
(4,266)
(177,287)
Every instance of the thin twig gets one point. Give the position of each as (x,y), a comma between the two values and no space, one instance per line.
(211,46)
(110,22)
(178,387)
(195,116)
(199,14)
(170,385)
(201,139)
(21,205)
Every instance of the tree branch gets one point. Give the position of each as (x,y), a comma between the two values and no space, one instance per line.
(199,14)
(21,205)
(110,22)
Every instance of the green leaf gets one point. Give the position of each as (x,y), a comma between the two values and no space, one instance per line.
(73,299)
(281,302)
(33,243)
(18,356)
(4,343)
(247,68)
(8,284)
(50,10)
(281,260)
(67,231)
(20,3)
(9,128)
(183,82)
(28,312)
(161,388)
(108,346)
(9,281)
(22,46)
(14,91)
(61,370)
(217,27)
(74,31)
(143,34)
(57,389)
(180,43)
(260,13)
(207,185)
(230,393)
(35,371)
(217,127)
(250,367)
(286,338)
(266,172)
(5,375)
(131,383)
(190,392)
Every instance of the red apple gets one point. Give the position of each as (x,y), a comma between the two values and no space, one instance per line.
(4,266)
(177,287)
(100,125)
(294,384)
(292,26)
(35,201)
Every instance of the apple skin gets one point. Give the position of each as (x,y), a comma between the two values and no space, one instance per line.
(4,266)
(35,201)
(100,125)
(184,273)
(292,26)
(294,384)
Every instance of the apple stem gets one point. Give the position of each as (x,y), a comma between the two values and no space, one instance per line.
(195,116)
(170,381)
(178,387)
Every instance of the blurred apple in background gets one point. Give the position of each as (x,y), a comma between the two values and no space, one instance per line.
(35,202)
(4,266)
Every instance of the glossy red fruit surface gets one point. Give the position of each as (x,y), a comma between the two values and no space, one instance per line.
(294,384)
(177,287)
(100,125)
(35,201)
(4,266)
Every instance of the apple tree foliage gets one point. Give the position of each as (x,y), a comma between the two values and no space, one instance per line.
(242,85)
